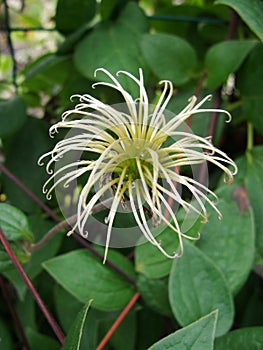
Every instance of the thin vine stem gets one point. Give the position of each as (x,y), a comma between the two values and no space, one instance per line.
(13,313)
(77,237)
(65,224)
(118,321)
(52,322)
(29,193)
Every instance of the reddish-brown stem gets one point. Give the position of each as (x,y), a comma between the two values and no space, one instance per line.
(216,105)
(14,314)
(42,205)
(197,93)
(234,20)
(211,130)
(116,324)
(58,332)
(29,193)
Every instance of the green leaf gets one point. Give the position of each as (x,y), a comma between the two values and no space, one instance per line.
(253,86)
(150,261)
(26,310)
(126,330)
(226,240)
(251,89)
(85,277)
(12,116)
(197,287)
(250,338)
(47,74)
(245,190)
(70,15)
(254,185)
(6,342)
(67,307)
(40,341)
(169,57)
(225,58)
(73,338)
(22,154)
(251,13)
(198,335)
(33,267)
(107,8)
(253,109)
(72,39)
(14,223)
(155,294)
(16,229)
(101,48)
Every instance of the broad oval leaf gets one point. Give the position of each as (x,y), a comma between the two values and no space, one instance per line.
(197,287)
(225,58)
(251,13)
(102,49)
(226,240)
(85,277)
(199,335)
(169,57)
(250,338)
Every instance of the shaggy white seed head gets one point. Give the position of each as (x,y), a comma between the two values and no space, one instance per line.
(134,159)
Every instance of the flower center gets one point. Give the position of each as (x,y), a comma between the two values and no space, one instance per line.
(132,151)
(131,167)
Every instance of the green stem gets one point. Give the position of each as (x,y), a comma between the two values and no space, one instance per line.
(250,134)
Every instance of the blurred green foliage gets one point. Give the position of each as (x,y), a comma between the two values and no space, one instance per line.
(203,47)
